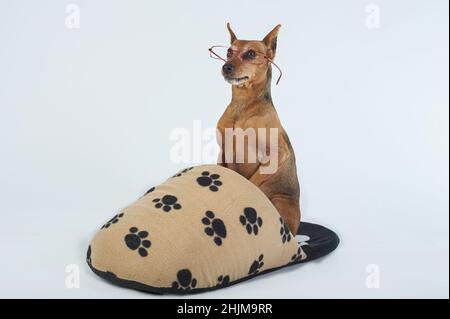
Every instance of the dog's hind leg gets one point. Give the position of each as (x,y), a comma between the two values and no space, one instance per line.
(289,209)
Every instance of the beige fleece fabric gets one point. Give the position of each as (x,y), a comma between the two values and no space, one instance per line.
(205,227)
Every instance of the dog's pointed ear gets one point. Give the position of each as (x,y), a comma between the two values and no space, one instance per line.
(270,40)
(232,35)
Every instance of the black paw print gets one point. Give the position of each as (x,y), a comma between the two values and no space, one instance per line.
(256,265)
(299,256)
(251,221)
(223,280)
(182,172)
(209,180)
(136,240)
(167,203)
(184,280)
(214,227)
(149,191)
(113,220)
(284,232)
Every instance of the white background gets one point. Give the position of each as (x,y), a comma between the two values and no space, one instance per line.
(86,116)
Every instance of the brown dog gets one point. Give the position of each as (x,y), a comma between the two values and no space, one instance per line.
(248,68)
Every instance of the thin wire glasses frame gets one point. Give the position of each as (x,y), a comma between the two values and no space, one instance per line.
(231,53)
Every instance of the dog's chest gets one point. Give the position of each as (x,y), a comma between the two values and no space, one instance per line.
(232,119)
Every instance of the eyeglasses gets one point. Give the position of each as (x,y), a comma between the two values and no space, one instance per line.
(224,53)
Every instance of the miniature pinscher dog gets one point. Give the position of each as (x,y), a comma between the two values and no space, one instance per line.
(248,68)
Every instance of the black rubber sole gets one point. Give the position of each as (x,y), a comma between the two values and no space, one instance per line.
(322,241)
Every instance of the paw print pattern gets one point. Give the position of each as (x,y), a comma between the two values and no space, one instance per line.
(223,280)
(167,203)
(150,190)
(284,232)
(256,265)
(251,221)
(184,280)
(214,227)
(299,256)
(113,220)
(180,173)
(210,180)
(136,240)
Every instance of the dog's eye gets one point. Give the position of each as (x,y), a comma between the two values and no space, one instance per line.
(249,55)
(229,53)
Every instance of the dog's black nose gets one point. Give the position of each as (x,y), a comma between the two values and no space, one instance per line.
(228,68)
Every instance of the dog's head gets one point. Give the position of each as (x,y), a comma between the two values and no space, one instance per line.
(247,61)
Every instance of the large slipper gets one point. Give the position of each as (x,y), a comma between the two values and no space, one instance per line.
(205,228)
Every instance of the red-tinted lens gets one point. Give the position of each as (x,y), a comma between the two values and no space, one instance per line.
(229,53)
